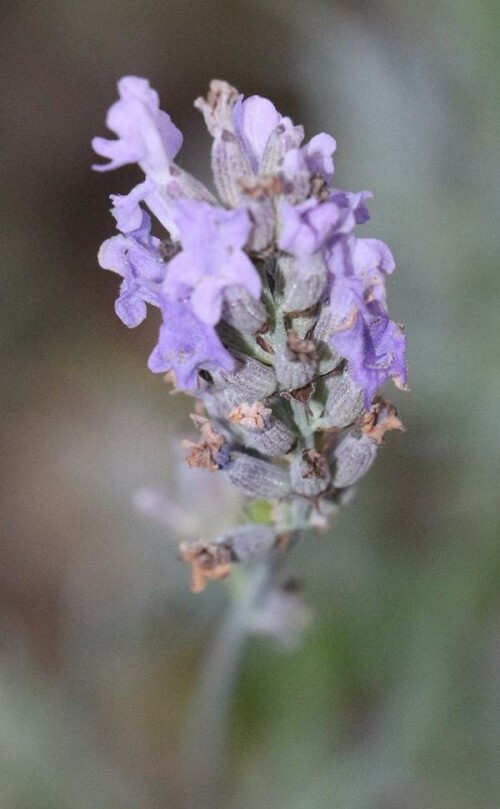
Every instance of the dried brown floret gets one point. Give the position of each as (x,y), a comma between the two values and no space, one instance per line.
(314,464)
(203,453)
(208,560)
(217,106)
(381,417)
(253,416)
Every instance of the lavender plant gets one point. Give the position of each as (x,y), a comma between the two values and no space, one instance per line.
(273,317)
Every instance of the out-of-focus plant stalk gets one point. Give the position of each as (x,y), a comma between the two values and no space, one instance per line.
(205,757)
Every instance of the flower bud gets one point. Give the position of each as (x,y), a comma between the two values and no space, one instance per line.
(257,478)
(344,401)
(263,218)
(242,311)
(323,329)
(309,473)
(304,281)
(262,430)
(296,364)
(250,382)
(353,458)
(247,543)
(182,184)
(293,375)
(328,357)
(230,166)
(275,440)
(284,138)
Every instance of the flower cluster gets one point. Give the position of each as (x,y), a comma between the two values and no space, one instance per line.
(273,311)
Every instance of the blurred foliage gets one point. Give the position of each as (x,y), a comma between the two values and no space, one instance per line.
(392,702)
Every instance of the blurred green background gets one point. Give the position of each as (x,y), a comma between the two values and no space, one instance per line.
(392,701)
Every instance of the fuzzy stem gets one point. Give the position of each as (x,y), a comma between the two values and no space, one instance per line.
(208,726)
(208,721)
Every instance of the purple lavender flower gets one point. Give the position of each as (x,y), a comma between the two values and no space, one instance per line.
(362,331)
(146,134)
(317,154)
(126,208)
(307,227)
(374,347)
(135,257)
(254,121)
(212,258)
(186,345)
(319,229)
(311,162)
(353,201)
(372,260)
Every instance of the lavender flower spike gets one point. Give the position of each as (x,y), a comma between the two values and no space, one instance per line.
(273,313)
